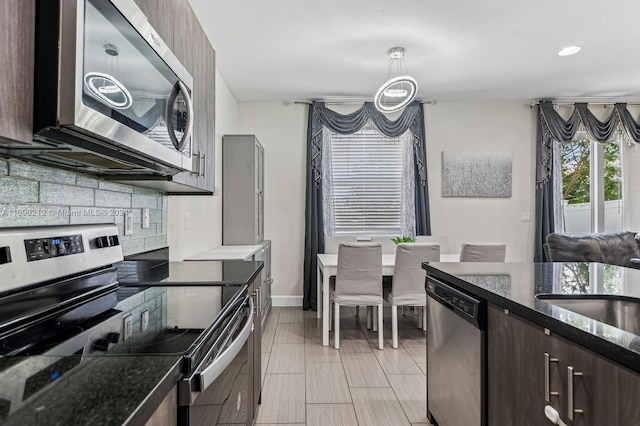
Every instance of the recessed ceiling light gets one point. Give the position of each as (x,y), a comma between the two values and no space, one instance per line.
(569,50)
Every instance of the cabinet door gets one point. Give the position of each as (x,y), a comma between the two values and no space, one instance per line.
(17,19)
(160,15)
(515,370)
(195,52)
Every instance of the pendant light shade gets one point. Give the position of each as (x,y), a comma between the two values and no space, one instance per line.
(397,92)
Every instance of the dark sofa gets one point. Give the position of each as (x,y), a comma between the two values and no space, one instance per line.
(615,248)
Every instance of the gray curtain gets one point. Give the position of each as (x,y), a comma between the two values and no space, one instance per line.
(552,127)
(412,119)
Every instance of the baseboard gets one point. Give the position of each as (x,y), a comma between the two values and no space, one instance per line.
(286,300)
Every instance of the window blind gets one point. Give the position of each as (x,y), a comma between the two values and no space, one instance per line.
(367,183)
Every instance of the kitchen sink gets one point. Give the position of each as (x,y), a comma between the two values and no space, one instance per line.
(618,311)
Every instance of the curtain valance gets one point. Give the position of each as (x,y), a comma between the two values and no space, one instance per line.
(554,127)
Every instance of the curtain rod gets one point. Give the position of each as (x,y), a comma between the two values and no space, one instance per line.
(590,101)
(357,102)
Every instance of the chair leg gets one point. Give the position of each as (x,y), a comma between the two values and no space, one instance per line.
(357,310)
(375,318)
(336,331)
(419,311)
(330,315)
(394,326)
(369,318)
(380,328)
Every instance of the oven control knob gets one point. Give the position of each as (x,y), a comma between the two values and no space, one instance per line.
(5,255)
(101,344)
(102,242)
(113,337)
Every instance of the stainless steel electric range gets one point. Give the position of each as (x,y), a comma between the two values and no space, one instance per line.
(84,340)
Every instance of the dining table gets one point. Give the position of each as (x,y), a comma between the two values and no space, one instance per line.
(328,267)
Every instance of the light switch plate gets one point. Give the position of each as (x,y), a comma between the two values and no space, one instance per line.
(145,218)
(128,223)
(144,321)
(128,327)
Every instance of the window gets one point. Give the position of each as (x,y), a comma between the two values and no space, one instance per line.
(366,186)
(592,185)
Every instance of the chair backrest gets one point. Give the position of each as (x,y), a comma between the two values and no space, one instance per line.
(359,269)
(408,275)
(388,246)
(482,252)
(442,240)
(331,243)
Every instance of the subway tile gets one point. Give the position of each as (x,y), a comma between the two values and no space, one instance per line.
(81,215)
(52,193)
(18,190)
(155,216)
(148,201)
(132,246)
(112,199)
(139,232)
(32,215)
(145,191)
(151,243)
(86,181)
(110,186)
(41,173)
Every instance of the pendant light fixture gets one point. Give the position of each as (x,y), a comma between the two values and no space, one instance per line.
(400,89)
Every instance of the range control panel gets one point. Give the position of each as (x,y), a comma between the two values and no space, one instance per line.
(46,248)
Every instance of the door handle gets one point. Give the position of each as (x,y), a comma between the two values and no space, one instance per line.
(571,373)
(547,377)
(177,88)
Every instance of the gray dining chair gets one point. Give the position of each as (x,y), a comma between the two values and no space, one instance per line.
(331,244)
(407,288)
(358,282)
(442,240)
(482,252)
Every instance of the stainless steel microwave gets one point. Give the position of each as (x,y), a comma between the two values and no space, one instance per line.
(110,97)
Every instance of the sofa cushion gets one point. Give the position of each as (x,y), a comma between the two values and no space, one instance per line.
(615,248)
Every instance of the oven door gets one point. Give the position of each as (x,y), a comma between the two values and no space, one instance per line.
(219,390)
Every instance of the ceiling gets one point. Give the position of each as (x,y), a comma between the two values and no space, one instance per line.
(288,50)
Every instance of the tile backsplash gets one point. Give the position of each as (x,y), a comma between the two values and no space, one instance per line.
(34,195)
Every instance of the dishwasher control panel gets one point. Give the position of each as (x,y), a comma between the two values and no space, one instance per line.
(453,298)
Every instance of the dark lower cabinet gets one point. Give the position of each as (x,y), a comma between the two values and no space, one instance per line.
(529,368)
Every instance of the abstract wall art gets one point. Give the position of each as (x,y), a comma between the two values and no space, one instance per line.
(476,174)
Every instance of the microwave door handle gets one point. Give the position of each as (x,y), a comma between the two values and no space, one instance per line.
(212,371)
(177,88)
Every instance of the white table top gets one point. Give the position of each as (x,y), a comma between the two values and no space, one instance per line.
(240,252)
(330,260)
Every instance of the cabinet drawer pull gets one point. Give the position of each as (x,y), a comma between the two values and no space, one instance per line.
(570,406)
(547,377)
(203,158)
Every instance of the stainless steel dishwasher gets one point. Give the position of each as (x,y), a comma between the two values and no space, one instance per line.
(456,353)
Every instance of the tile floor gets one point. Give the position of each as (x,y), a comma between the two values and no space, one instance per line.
(305,383)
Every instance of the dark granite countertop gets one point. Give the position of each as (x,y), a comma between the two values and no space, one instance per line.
(107,390)
(515,286)
(120,387)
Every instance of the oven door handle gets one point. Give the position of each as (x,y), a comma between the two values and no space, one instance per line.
(209,374)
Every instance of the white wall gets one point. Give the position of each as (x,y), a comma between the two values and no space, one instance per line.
(488,127)
(484,127)
(281,129)
(205,212)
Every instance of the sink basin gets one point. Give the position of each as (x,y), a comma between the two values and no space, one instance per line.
(618,311)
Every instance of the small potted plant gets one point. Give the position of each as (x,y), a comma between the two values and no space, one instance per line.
(403,239)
